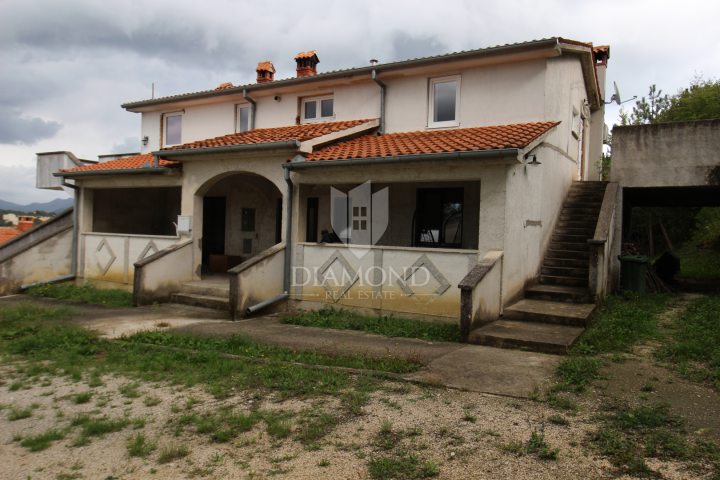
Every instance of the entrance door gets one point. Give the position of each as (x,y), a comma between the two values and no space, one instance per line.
(213,242)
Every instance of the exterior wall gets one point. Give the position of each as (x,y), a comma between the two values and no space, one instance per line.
(54,224)
(107,257)
(44,259)
(418,282)
(257,280)
(160,275)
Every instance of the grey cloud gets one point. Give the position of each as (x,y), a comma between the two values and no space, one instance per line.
(129,145)
(17,129)
(407,47)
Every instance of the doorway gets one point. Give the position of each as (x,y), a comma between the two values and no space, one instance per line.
(213,242)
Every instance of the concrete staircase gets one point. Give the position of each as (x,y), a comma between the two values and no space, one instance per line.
(208,293)
(554,312)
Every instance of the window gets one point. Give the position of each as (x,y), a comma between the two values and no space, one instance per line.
(247,222)
(317,109)
(438,219)
(444,101)
(173,129)
(243,118)
(311,228)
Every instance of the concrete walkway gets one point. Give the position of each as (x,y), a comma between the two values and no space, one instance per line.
(456,365)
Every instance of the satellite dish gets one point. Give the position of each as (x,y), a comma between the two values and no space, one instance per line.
(616,97)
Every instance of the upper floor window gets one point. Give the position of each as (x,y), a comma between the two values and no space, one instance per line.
(444,101)
(317,109)
(173,129)
(243,118)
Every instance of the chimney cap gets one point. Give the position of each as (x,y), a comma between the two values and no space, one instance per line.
(373,62)
(266,66)
(225,85)
(311,54)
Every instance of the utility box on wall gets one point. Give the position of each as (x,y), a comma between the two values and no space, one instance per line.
(184,224)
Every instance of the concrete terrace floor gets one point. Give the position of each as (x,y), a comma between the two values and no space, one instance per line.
(469,367)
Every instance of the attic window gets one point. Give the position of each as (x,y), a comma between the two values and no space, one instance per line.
(243,117)
(317,109)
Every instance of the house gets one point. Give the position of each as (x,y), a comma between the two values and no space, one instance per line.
(381,188)
(7,233)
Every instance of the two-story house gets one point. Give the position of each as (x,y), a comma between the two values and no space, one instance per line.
(470,157)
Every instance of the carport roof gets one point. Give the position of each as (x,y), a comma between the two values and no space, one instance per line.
(126,163)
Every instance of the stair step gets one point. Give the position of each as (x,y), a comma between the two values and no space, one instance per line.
(580,211)
(576,224)
(206,301)
(565,238)
(569,254)
(569,281)
(574,246)
(210,290)
(574,217)
(589,232)
(565,272)
(558,293)
(567,262)
(539,337)
(547,311)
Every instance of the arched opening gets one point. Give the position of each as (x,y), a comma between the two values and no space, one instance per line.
(241,217)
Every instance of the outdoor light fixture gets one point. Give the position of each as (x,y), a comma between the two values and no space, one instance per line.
(534,161)
(145,140)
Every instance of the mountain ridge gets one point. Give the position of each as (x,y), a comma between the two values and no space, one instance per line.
(54,206)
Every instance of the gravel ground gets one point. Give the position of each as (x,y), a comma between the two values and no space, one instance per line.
(432,418)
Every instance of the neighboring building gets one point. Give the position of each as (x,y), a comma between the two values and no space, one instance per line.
(478,151)
(6,233)
(25,223)
(10,217)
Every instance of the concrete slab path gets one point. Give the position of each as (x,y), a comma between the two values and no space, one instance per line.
(456,365)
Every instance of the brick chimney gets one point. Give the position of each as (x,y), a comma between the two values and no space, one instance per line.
(265,72)
(307,63)
(25,223)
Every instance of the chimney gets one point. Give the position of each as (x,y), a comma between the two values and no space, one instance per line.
(265,72)
(25,223)
(307,63)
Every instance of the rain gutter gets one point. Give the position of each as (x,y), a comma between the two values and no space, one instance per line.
(252,108)
(246,147)
(123,171)
(382,102)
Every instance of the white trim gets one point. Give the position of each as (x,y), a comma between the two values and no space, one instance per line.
(318,109)
(131,235)
(431,102)
(383,247)
(165,117)
(237,116)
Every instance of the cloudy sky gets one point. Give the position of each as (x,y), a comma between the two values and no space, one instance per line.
(65,67)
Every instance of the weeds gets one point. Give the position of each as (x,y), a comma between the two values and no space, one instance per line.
(42,441)
(85,294)
(173,451)
(19,414)
(138,447)
(83,397)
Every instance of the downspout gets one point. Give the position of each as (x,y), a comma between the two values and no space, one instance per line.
(382,102)
(252,109)
(73,260)
(288,259)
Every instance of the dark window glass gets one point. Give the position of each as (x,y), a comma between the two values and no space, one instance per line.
(248,220)
(311,234)
(247,245)
(310,110)
(438,218)
(244,119)
(174,130)
(326,108)
(445,101)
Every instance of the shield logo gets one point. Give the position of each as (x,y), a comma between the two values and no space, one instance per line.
(360,217)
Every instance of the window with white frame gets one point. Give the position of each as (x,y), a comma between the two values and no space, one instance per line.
(317,109)
(243,117)
(172,134)
(444,102)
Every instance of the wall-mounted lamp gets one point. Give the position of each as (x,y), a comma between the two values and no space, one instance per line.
(145,140)
(533,160)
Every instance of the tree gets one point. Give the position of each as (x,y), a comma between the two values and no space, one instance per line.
(699,102)
(646,112)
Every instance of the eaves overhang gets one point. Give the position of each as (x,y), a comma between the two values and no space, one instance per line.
(292,145)
(119,171)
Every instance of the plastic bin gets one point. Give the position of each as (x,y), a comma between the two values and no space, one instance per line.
(634,272)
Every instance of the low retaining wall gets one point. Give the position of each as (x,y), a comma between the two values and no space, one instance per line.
(162,274)
(256,280)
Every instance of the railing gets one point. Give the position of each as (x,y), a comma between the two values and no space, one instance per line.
(601,247)
(481,294)
(161,274)
(110,257)
(256,280)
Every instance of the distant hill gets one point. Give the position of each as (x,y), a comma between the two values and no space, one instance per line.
(55,206)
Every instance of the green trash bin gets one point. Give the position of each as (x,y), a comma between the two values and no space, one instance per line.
(634,271)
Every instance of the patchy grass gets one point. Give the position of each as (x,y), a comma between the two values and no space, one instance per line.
(388,326)
(173,451)
(19,414)
(43,440)
(138,447)
(695,339)
(85,294)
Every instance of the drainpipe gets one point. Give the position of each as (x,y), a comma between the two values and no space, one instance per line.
(252,109)
(382,102)
(288,258)
(73,264)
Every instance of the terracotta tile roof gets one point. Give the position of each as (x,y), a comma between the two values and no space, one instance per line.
(124,164)
(279,134)
(6,233)
(225,85)
(265,66)
(601,48)
(308,54)
(437,141)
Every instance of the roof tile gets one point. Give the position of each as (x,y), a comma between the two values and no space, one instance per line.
(6,233)
(124,164)
(436,141)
